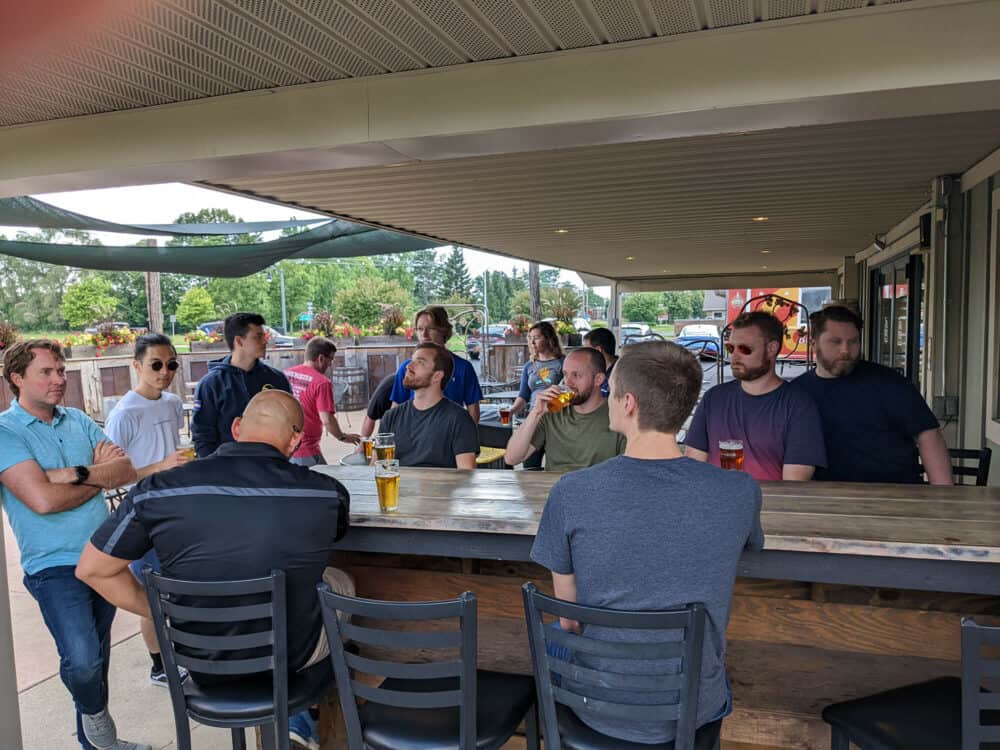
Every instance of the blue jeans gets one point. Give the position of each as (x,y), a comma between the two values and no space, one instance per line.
(308,461)
(80,623)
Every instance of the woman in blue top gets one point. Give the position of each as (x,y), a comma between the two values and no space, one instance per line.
(544,369)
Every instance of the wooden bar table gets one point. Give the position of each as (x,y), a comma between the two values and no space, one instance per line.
(859,587)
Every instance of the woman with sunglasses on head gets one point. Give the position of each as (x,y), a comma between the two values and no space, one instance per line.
(146,425)
(545,368)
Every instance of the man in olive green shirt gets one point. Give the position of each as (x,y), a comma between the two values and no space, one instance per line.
(578,436)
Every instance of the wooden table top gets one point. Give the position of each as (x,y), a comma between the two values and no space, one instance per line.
(882,520)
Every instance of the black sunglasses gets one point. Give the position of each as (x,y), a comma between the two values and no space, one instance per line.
(172,365)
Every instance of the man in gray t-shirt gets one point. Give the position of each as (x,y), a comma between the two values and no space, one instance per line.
(674,536)
(430,429)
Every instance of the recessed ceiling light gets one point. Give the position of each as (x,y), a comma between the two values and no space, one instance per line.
(763,266)
(629,257)
(765,252)
(759,218)
(664,270)
(562,231)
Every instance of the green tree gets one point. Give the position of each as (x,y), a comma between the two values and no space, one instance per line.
(31,293)
(246,293)
(130,289)
(88,301)
(520,303)
(361,303)
(684,305)
(548,277)
(455,282)
(642,307)
(196,307)
(499,293)
(211,216)
(422,265)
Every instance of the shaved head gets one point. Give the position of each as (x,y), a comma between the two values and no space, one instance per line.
(273,417)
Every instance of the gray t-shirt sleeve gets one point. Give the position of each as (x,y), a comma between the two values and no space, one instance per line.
(121,428)
(552,543)
(755,542)
(465,436)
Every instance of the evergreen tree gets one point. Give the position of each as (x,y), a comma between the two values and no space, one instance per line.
(456,284)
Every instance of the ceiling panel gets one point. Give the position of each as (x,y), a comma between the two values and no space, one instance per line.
(678,207)
(123,55)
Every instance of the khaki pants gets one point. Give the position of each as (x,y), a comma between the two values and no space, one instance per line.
(341,583)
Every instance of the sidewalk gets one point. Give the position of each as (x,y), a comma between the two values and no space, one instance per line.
(142,711)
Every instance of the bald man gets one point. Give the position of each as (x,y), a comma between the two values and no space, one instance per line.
(225,517)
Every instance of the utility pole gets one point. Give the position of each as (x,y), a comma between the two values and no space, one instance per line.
(534,292)
(154,299)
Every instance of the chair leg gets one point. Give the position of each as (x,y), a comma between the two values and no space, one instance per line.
(531,737)
(267,739)
(839,740)
(239,739)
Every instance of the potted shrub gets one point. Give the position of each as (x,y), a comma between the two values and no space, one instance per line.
(114,341)
(8,335)
(517,330)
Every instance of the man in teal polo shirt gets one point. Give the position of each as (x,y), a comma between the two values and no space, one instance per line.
(55,463)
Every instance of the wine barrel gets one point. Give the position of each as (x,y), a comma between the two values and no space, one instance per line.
(350,388)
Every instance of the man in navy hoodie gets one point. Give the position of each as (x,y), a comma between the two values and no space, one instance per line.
(231,382)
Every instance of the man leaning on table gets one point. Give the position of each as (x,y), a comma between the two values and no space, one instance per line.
(228,517)
(875,422)
(578,436)
(673,535)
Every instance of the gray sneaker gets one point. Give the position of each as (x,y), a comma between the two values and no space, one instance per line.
(100,730)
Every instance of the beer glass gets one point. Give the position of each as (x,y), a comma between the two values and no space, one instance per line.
(186,446)
(562,400)
(731,454)
(387,484)
(505,413)
(385,446)
(367,445)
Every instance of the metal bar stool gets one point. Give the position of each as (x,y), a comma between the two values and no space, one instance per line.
(438,705)
(572,695)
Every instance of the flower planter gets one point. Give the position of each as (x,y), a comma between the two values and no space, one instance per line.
(80,351)
(382,340)
(209,346)
(116,350)
(515,340)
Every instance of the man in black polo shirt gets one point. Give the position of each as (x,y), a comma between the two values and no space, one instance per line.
(226,517)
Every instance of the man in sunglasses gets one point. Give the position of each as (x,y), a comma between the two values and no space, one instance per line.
(778,425)
(146,424)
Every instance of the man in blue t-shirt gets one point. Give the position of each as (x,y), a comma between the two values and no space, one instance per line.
(54,464)
(674,537)
(874,420)
(603,340)
(778,425)
(431,326)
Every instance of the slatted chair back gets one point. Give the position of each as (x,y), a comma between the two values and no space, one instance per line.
(971,463)
(560,676)
(343,617)
(182,610)
(980,685)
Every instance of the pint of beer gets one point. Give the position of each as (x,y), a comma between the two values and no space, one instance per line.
(367,445)
(561,401)
(505,413)
(731,454)
(385,446)
(387,484)
(187,448)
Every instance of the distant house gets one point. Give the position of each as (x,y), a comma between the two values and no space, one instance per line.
(714,305)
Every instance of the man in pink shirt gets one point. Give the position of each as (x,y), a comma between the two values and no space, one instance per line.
(314,390)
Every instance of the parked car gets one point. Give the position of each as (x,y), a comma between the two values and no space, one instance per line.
(116,323)
(582,325)
(632,333)
(701,339)
(275,337)
(496,333)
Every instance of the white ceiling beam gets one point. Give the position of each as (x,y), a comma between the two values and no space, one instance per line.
(842,67)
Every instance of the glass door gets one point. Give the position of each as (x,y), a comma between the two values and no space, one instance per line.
(896,314)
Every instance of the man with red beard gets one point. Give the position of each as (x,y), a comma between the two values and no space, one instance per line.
(874,420)
(778,425)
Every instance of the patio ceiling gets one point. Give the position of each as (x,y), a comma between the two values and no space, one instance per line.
(63,59)
(675,207)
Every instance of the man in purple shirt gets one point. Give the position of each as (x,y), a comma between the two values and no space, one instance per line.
(779,425)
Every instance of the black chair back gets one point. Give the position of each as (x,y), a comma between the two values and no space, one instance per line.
(980,685)
(340,615)
(575,686)
(183,608)
(971,463)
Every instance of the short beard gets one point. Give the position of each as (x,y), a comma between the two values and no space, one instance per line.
(755,373)
(581,397)
(837,367)
(414,384)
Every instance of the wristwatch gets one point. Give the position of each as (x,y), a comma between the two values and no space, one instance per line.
(82,474)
